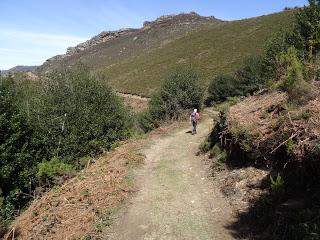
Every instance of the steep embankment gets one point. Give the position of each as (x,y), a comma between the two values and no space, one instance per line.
(136,60)
(174,199)
(272,150)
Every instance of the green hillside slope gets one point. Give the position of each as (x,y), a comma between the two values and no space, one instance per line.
(110,47)
(209,52)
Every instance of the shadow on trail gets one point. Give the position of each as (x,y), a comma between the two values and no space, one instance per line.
(255,222)
(283,214)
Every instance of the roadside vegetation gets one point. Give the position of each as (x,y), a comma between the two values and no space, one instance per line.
(277,129)
(49,127)
(180,92)
(52,126)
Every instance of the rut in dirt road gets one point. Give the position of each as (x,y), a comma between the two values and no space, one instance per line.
(175,200)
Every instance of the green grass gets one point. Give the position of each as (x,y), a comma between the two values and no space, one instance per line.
(209,52)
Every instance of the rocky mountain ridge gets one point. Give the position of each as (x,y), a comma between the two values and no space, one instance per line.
(177,20)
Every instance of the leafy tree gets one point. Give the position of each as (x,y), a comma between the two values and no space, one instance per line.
(70,114)
(250,77)
(77,114)
(277,45)
(18,157)
(179,92)
(292,69)
(222,87)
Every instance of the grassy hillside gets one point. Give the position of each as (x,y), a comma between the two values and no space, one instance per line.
(134,42)
(209,52)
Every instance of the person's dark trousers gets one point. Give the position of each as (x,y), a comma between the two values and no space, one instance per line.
(194,125)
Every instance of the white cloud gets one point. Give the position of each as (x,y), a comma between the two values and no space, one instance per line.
(31,48)
(42,38)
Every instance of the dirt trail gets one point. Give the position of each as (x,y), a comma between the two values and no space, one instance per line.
(175,198)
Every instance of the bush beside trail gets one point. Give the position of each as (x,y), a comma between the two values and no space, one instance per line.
(17,151)
(48,126)
(77,114)
(289,54)
(180,92)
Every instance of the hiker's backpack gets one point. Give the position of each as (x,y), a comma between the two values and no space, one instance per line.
(194,117)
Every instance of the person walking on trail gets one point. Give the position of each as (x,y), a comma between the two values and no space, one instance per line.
(194,117)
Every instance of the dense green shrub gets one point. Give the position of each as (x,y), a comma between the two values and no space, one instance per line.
(179,92)
(222,87)
(292,80)
(250,77)
(292,69)
(271,67)
(62,117)
(54,167)
(255,72)
(146,121)
(304,37)
(258,72)
(77,114)
(17,154)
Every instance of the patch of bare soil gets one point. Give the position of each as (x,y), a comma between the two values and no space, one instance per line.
(241,186)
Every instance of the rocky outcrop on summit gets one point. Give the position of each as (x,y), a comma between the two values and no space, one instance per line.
(181,19)
(110,46)
(100,38)
(166,20)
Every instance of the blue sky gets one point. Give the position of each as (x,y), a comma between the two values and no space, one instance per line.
(31,31)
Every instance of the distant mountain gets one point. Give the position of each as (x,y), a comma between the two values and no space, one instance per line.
(110,47)
(137,60)
(19,68)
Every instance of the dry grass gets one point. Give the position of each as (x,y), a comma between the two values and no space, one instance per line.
(72,210)
(274,124)
(257,113)
(307,127)
(135,102)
